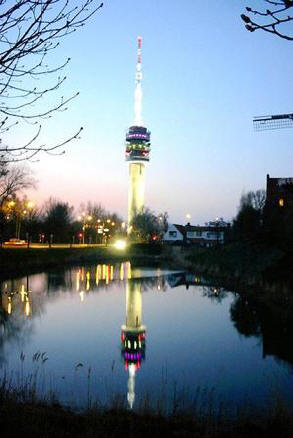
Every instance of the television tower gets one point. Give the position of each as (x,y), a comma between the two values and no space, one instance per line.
(137,148)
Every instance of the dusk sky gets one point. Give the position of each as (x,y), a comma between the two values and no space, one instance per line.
(204,78)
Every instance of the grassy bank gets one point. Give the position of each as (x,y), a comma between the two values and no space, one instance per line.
(248,264)
(17,261)
(234,264)
(36,419)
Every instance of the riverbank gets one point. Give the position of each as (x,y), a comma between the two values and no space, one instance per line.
(36,419)
(241,264)
(234,265)
(18,261)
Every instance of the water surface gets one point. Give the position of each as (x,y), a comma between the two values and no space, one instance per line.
(108,331)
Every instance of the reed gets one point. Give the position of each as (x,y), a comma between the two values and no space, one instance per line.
(176,411)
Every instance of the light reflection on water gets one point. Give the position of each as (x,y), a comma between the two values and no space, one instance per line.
(95,332)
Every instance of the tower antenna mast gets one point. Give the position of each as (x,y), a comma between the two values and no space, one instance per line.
(138,88)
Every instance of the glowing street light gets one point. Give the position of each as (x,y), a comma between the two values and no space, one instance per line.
(30,205)
(21,210)
(84,218)
(120,244)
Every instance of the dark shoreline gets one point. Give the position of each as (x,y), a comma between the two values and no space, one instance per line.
(234,266)
(24,261)
(244,265)
(37,419)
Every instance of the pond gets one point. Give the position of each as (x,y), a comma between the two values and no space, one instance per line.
(112,333)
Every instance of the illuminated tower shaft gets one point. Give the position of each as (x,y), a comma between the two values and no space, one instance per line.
(137,148)
(136,189)
(133,306)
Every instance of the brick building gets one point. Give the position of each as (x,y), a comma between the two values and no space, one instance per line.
(279,192)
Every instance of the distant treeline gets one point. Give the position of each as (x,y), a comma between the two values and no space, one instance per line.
(57,222)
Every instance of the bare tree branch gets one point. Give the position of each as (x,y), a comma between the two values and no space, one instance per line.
(274,20)
(15,179)
(29,31)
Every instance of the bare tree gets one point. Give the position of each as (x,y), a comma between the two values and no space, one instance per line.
(97,211)
(29,31)
(3,169)
(58,219)
(274,20)
(13,180)
(147,226)
(255,200)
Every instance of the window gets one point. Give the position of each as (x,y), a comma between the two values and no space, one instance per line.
(211,235)
(172,233)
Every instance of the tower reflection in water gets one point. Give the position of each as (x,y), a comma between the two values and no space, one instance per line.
(133,334)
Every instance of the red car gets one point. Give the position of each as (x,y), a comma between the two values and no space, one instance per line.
(15,242)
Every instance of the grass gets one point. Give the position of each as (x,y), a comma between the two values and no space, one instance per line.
(14,262)
(50,419)
(236,262)
(242,263)
(24,411)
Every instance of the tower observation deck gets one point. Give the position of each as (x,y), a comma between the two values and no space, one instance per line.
(138,144)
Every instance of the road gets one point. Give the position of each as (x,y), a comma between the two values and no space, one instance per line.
(54,245)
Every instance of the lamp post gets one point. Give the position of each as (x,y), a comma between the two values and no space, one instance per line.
(21,210)
(103,228)
(89,219)
(85,218)
(10,210)
(98,228)
(29,205)
(107,229)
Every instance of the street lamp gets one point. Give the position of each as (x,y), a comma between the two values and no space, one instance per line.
(188,217)
(22,209)
(89,218)
(30,205)
(99,230)
(84,217)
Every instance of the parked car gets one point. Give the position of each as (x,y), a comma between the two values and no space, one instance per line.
(15,242)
